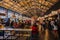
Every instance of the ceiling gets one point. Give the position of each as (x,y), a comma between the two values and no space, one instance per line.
(55,7)
(29,7)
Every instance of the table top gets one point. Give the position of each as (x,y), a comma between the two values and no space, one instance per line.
(15,29)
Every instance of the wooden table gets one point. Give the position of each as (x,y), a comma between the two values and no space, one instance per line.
(19,30)
(10,29)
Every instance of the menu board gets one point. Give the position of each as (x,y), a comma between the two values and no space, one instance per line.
(3,12)
(10,13)
(17,15)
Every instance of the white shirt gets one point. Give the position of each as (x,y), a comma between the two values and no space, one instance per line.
(55,27)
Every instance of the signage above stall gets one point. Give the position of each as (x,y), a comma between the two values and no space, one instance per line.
(2,14)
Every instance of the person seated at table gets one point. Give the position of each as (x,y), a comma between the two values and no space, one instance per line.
(15,24)
(1,32)
(18,25)
(1,26)
(11,24)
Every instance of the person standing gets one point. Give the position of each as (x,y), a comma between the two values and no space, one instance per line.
(11,24)
(35,32)
(55,30)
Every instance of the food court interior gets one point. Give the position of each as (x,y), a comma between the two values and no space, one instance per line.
(30,19)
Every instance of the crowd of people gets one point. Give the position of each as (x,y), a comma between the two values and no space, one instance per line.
(37,26)
(52,25)
(14,24)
